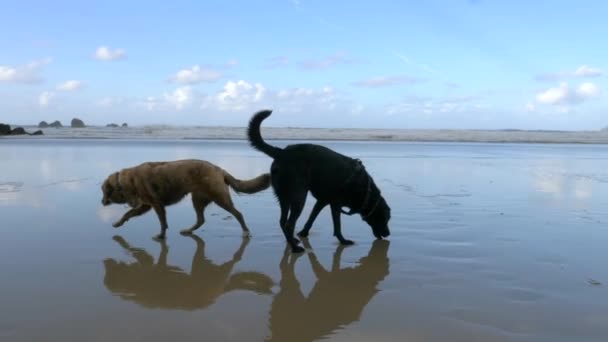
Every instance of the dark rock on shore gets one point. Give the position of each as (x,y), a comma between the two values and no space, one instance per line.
(77,123)
(18,131)
(6,130)
(113,125)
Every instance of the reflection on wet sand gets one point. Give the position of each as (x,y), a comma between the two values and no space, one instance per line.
(336,300)
(159,285)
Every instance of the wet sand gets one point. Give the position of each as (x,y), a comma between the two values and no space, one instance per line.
(490,242)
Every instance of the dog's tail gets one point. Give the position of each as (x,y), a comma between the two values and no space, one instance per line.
(250,186)
(255,137)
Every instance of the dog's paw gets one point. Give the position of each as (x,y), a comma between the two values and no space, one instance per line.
(347,242)
(247,234)
(297,249)
(303,233)
(159,237)
(185,232)
(117,224)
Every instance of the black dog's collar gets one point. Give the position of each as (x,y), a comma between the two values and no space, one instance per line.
(359,167)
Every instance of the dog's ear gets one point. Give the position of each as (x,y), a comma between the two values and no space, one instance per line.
(359,165)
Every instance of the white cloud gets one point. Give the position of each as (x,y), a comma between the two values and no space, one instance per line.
(582,71)
(564,95)
(277,62)
(195,75)
(331,61)
(530,107)
(104,53)
(357,109)
(180,97)
(232,63)
(70,85)
(303,99)
(587,71)
(114,101)
(554,95)
(587,90)
(242,96)
(238,96)
(106,102)
(426,105)
(45,98)
(151,103)
(28,73)
(386,81)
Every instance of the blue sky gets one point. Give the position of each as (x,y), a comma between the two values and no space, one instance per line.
(387,64)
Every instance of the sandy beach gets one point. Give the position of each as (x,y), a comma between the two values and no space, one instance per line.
(489,242)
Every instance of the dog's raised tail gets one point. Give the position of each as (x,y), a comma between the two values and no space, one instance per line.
(249,186)
(255,137)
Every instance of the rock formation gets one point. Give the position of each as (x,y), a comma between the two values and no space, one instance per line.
(6,130)
(77,123)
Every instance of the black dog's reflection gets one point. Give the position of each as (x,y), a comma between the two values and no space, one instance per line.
(336,300)
(158,285)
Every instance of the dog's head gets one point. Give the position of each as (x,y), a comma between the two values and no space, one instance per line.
(379,217)
(112,191)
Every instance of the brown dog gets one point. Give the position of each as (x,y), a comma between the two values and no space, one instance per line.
(155,185)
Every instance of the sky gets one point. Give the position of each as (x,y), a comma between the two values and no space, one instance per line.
(470,64)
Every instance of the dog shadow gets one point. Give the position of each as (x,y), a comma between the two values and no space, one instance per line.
(160,285)
(337,299)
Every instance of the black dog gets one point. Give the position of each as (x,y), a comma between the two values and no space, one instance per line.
(332,178)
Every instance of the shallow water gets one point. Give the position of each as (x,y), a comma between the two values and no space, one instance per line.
(489,242)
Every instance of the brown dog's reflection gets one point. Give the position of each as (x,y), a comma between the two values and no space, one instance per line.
(336,300)
(158,285)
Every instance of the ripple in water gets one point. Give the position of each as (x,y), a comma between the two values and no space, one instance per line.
(7,187)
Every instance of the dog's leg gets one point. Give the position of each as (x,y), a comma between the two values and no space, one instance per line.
(316,266)
(335,264)
(295,209)
(198,260)
(284,211)
(238,255)
(199,203)
(283,220)
(142,257)
(162,217)
(161,262)
(142,209)
(225,202)
(335,215)
(313,216)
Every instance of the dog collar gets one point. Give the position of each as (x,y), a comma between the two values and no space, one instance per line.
(365,200)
